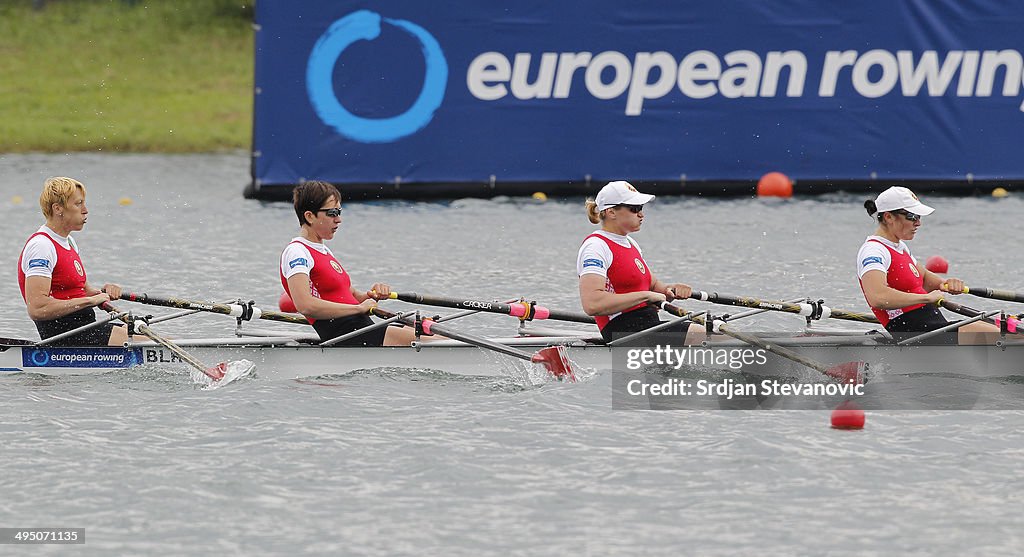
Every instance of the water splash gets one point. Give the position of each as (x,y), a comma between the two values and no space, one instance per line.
(235,370)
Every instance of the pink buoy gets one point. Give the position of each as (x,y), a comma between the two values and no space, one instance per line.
(286,304)
(937,264)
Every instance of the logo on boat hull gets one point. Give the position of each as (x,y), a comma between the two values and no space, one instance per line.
(86,357)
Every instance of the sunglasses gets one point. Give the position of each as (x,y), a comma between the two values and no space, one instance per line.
(332,212)
(632,208)
(912,217)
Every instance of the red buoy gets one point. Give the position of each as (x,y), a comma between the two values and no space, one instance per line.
(286,304)
(775,184)
(848,416)
(937,264)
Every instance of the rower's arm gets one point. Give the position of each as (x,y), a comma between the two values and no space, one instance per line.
(43,307)
(880,295)
(598,301)
(315,308)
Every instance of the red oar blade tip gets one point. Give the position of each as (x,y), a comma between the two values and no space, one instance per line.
(849,372)
(556,361)
(217,372)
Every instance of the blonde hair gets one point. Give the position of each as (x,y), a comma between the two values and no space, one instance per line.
(592,213)
(57,190)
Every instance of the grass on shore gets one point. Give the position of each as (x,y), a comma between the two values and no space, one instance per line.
(126,75)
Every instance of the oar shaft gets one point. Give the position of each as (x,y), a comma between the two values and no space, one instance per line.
(753,340)
(807,310)
(114,314)
(142,327)
(234,310)
(1014,325)
(995,294)
(522,310)
(430,326)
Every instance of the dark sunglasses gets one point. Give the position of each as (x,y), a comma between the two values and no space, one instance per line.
(912,217)
(332,212)
(632,208)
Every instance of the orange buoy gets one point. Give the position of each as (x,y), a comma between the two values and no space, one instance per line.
(937,264)
(286,304)
(848,416)
(775,184)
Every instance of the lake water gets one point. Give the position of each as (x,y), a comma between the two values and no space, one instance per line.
(394,461)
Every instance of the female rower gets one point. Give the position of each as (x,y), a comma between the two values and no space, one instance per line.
(52,277)
(903,294)
(616,285)
(316,282)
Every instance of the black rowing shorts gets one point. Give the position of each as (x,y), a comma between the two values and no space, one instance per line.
(97,336)
(333,328)
(638,320)
(922,320)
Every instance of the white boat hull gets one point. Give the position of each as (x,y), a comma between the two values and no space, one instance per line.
(285,359)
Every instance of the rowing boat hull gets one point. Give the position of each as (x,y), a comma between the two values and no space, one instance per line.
(291,360)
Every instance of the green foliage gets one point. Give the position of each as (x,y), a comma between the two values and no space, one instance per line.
(126,75)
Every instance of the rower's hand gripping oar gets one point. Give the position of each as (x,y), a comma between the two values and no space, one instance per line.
(553,357)
(525,311)
(213,372)
(849,372)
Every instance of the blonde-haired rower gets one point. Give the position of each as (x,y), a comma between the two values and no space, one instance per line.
(51,274)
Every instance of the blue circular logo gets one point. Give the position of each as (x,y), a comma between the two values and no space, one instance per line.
(365,25)
(40,357)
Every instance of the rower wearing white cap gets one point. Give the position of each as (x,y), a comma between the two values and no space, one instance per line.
(902,293)
(616,285)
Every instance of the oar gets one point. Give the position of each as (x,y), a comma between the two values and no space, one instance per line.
(847,372)
(1013,325)
(246,312)
(215,372)
(553,357)
(995,294)
(522,310)
(114,315)
(461,314)
(814,311)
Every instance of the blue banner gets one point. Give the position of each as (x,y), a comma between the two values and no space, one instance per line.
(402,91)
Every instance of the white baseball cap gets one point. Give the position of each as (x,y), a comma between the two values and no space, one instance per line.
(620,192)
(899,197)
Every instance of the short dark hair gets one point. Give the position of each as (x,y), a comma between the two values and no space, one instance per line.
(310,196)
